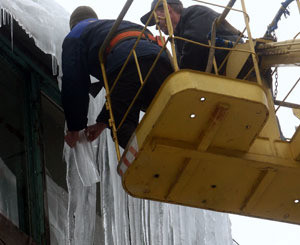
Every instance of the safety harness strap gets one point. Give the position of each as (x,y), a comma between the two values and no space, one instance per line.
(128,34)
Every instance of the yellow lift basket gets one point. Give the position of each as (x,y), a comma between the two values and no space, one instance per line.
(212,142)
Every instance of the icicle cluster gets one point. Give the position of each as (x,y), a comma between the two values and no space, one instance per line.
(7,19)
(46,22)
(124,220)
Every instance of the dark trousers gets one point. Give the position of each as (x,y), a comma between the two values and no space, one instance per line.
(126,89)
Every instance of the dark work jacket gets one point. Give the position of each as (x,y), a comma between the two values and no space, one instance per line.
(80,60)
(195,24)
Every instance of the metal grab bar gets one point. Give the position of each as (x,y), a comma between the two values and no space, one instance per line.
(222,17)
(114,28)
(101,52)
(215,25)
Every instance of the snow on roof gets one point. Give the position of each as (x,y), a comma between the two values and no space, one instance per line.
(43,20)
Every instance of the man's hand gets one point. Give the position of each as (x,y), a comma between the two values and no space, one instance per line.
(71,138)
(93,131)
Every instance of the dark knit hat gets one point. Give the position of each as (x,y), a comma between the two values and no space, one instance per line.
(145,18)
(81,13)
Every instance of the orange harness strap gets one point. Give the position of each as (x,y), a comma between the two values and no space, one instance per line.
(131,34)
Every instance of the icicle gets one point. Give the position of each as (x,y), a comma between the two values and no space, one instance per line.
(7,18)
(1,17)
(54,65)
(4,17)
(12,32)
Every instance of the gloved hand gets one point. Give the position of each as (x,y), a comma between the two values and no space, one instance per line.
(93,131)
(71,138)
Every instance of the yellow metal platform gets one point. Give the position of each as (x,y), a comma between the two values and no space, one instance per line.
(198,145)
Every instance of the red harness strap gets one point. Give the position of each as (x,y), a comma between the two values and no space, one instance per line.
(131,34)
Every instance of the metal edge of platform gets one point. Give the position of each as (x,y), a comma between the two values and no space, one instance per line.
(173,86)
(269,174)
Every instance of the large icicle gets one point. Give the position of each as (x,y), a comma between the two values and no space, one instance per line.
(82,176)
(137,221)
(12,32)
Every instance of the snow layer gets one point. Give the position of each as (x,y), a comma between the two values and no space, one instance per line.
(44,20)
(120,218)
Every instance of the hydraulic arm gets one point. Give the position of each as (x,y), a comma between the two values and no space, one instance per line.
(279,53)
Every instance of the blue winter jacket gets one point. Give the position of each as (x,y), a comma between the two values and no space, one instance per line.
(80,60)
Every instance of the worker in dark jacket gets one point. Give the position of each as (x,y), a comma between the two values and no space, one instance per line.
(193,23)
(80,60)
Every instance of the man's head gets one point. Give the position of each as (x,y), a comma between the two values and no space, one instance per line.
(81,13)
(175,8)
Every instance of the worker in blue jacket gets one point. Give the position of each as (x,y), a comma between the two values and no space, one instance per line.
(80,60)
